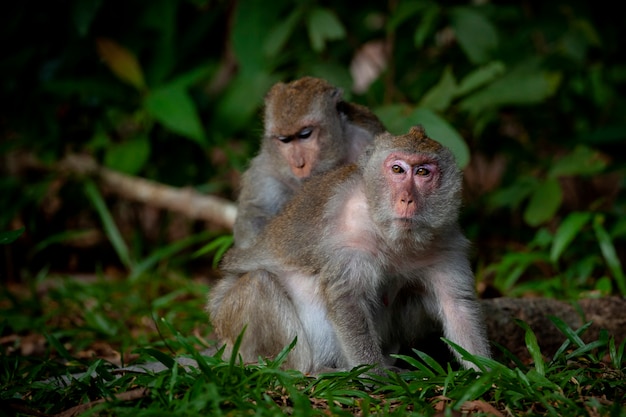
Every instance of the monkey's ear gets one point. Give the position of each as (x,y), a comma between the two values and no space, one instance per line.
(337,95)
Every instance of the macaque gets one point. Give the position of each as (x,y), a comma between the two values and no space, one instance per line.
(357,265)
(309,129)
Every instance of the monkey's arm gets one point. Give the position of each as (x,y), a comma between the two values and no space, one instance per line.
(261,197)
(453,301)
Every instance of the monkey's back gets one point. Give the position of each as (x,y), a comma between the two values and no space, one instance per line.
(289,233)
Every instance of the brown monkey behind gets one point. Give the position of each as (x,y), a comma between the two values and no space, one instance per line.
(308,129)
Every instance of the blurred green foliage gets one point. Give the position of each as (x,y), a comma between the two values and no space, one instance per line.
(159,88)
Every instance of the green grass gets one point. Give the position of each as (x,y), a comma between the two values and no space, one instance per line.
(58,326)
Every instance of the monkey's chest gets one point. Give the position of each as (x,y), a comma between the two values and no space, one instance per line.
(313,318)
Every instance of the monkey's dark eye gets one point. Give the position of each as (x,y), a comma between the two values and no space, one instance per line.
(422,171)
(285,139)
(397,169)
(305,133)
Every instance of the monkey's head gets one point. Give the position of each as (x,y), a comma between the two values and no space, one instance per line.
(413,185)
(302,125)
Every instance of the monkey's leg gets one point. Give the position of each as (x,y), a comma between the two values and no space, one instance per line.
(257,302)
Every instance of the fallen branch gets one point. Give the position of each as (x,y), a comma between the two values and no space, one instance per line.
(186,201)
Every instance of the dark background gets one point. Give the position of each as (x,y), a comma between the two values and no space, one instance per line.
(529,94)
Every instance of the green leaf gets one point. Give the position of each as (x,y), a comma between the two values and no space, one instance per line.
(480,77)
(603,285)
(533,347)
(122,62)
(83,14)
(544,202)
(525,84)
(567,231)
(395,117)
(400,118)
(581,161)
(192,77)
(10,235)
(609,253)
(110,228)
(438,98)
(254,20)
(427,25)
(441,131)
(172,106)
(239,105)
(403,12)
(513,195)
(279,35)
(476,35)
(128,157)
(323,25)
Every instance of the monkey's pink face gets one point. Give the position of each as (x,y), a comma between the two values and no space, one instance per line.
(301,150)
(410,178)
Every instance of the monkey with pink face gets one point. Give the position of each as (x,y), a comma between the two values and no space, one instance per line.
(356,265)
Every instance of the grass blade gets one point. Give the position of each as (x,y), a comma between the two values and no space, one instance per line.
(430,362)
(416,364)
(566,232)
(616,354)
(220,245)
(164,358)
(280,358)
(609,253)
(533,347)
(510,356)
(587,347)
(56,344)
(10,235)
(110,228)
(572,336)
(166,252)
(475,390)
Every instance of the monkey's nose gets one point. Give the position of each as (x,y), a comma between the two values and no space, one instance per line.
(301,171)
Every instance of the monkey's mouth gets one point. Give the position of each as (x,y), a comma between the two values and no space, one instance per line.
(404,222)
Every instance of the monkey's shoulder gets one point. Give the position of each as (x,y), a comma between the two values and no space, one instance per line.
(328,181)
